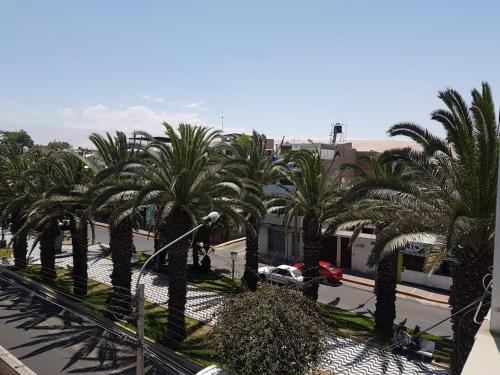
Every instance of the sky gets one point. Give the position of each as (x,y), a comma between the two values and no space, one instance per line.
(284,68)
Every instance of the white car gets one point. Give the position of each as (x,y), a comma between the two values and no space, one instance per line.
(213,370)
(283,274)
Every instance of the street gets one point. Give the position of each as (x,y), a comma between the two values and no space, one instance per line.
(50,339)
(358,299)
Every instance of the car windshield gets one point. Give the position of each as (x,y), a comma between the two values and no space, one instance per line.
(331,267)
(296,273)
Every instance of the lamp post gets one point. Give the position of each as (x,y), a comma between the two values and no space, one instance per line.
(234,254)
(211,218)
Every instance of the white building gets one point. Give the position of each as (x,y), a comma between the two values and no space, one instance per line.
(287,246)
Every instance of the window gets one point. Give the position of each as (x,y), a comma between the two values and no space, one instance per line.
(295,243)
(413,262)
(276,241)
(416,263)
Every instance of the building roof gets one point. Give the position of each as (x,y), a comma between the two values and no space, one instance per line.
(381,145)
(361,145)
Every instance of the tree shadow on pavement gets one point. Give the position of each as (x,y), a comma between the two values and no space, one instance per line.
(94,348)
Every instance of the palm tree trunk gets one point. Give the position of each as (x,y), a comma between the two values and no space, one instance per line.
(160,240)
(48,250)
(251,254)
(468,274)
(79,240)
(20,244)
(312,249)
(196,255)
(385,307)
(177,272)
(252,246)
(121,243)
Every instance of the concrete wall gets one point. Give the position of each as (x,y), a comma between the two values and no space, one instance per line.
(421,278)
(361,250)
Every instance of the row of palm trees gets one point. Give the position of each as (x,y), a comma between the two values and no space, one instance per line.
(444,192)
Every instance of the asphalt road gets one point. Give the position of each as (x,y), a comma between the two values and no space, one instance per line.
(357,298)
(51,340)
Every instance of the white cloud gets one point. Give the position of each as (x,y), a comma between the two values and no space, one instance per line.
(192,104)
(195,105)
(33,112)
(101,118)
(149,97)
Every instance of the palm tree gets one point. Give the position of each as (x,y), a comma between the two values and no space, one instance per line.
(359,210)
(249,160)
(314,196)
(16,196)
(449,199)
(181,178)
(115,188)
(24,182)
(70,176)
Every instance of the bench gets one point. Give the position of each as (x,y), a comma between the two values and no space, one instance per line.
(426,350)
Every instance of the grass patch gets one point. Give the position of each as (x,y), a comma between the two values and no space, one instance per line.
(5,252)
(195,347)
(97,295)
(215,281)
(362,327)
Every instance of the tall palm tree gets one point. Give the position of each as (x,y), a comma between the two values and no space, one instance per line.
(115,191)
(248,159)
(450,200)
(17,193)
(359,210)
(315,197)
(70,176)
(23,184)
(181,178)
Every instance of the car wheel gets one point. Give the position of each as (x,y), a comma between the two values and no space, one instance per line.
(262,277)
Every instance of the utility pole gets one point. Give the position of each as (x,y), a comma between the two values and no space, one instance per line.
(140,330)
(222,123)
(211,218)
(495,298)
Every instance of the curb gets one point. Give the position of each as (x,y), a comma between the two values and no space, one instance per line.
(229,242)
(10,365)
(408,294)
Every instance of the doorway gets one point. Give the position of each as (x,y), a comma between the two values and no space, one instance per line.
(345,253)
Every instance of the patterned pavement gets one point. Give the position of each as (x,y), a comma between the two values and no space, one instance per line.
(346,356)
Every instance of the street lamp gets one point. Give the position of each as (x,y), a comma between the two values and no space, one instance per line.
(211,218)
(234,254)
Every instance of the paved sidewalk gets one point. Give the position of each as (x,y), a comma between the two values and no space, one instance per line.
(346,356)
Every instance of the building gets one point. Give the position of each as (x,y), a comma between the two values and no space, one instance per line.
(229,138)
(286,246)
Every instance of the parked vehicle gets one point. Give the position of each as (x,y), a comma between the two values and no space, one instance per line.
(328,271)
(213,370)
(283,274)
